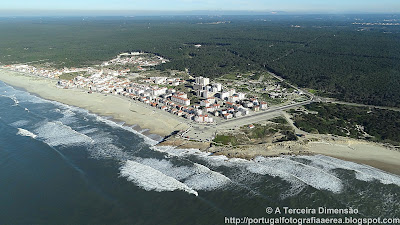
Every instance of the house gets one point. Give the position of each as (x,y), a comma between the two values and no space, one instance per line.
(210,109)
(263,105)
(180,100)
(229,104)
(211,100)
(248,104)
(224,95)
(205,103)
(228,116)
(208,119)
(199,118)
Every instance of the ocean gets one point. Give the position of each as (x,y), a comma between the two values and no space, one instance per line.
(64,165)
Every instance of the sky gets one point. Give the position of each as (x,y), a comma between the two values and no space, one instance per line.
(329,6)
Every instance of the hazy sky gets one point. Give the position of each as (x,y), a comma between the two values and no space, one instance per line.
(389,6)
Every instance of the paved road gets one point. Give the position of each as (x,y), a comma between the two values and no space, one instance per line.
(360,105)
(260,115)
(328,100)
(201,132)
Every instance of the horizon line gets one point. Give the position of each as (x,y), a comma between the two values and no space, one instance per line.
(100,12)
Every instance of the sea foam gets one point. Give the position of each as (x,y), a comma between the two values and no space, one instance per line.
(196,176)
(363,172)
(56,134)
(151,179)
(26,133)
(19,123)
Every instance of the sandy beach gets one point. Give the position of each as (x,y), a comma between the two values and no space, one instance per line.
(163,124)
(119,108)
(363,152)
(358,151)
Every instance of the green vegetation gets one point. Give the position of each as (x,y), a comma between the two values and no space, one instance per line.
(356,122)
(68,76)
(328,55)
(226,140)
(279,120)
(277,130)
(259,131)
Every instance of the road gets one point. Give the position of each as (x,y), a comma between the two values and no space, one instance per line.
(315,98)
(201,132)
(261,115)
(360,105)
(207,132)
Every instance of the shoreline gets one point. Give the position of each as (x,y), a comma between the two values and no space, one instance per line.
(136,127)
(150,122)
(358,151)
(117,107)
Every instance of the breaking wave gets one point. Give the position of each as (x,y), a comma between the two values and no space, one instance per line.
(58,134)
(196,176)
(26,133)
(293,172)
(111,123)
(151,179)
(363,172)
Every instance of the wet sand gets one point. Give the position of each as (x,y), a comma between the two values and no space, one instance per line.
(117,107)
(363,152)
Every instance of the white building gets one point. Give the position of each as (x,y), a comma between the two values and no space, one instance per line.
(233,98)
(159,91)
(180,100)
(208,94)
(202,81)
(244,111)
(203,119)
(224,95)
(211,100)
(205,103)
(263,106)
(228,116)
(181,94)
(217,86)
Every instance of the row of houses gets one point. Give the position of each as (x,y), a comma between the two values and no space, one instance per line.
(218,102)
(164,98)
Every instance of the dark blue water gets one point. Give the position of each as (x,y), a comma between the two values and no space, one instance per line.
(64,165)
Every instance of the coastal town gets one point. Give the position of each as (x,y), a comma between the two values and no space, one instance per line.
(197,99)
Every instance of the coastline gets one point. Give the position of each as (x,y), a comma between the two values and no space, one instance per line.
(358,151)
(120,109)
(162,123)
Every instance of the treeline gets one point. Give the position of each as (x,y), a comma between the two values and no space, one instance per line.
(356,122)
(329,55)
